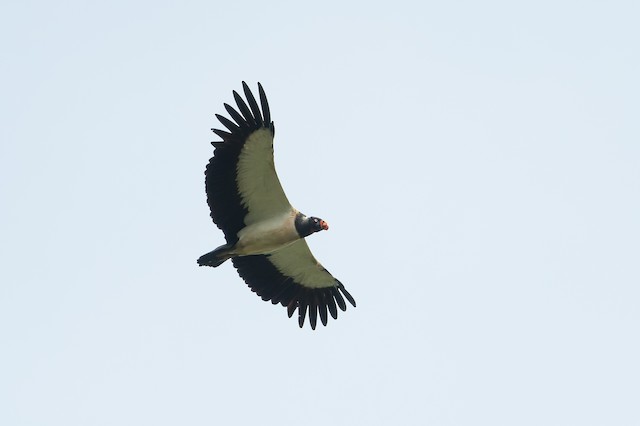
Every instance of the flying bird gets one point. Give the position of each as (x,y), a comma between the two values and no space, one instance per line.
(265,235)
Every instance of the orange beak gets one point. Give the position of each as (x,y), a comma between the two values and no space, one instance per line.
(324,225)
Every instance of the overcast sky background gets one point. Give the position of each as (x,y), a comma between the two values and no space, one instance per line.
(478,162)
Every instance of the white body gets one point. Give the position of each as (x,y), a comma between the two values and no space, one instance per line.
(267,236)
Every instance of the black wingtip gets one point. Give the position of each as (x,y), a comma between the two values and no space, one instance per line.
(291,307)
(236,116)
(265,105)
(313,314)
(302,313)
(331,304)
(226,136)
(233,127)
(347,295)
(255,110)
(244,109)
(339,299)
(322,310)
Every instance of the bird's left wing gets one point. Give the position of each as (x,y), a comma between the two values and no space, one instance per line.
(294,278)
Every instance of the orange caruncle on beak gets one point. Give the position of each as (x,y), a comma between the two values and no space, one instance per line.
(324,225)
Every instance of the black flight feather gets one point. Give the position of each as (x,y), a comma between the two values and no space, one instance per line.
(346,294)
(302,311)
(244,109)
(322,308)
(265,105)
(313,311)
(233,127)
(331,304)
(253,104)
(339,299)
(226,136)
(242,123)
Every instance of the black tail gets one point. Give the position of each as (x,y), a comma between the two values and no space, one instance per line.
(216,257)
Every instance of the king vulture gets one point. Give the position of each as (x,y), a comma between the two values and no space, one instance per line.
(265,235)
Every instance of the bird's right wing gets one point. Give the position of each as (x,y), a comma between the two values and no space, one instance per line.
(241,181)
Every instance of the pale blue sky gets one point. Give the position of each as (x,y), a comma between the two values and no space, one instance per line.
(478,162)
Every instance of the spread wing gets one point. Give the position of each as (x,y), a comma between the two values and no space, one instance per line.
(294,278)
(241,181)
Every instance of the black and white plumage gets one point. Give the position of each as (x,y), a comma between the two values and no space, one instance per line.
(264,233)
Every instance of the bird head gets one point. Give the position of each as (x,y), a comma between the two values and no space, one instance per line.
(318,224)
(308,225)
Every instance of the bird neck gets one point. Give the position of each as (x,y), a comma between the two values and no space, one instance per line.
(303,225)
